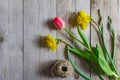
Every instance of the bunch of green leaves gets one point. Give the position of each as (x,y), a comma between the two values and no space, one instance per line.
(98,58)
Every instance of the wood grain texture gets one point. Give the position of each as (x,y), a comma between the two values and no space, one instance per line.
(37,24)
(11,29)
(3,19)
(24,23)
(31,33)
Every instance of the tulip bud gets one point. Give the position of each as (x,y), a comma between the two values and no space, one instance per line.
(58,23)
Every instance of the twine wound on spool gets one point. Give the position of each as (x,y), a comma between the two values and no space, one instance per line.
(62,68)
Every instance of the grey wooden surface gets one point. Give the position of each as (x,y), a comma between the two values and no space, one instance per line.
(23,23)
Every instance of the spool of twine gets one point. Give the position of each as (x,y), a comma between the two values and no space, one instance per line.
(62,68)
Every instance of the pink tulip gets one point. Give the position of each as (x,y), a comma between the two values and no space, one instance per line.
(58,23)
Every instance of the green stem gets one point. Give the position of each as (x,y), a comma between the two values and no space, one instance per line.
(109,57)
(113,55)
(111,77)
(105,49)
(71,34)
(97,72)
(76,68)
(90,65)
(112,32)
(116,75)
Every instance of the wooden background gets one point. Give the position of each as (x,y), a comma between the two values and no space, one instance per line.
(23,23)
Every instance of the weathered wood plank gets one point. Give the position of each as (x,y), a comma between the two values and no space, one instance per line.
(47,57)
(31,34)
(11,28)
(14,41)
(3,19)
(37,58)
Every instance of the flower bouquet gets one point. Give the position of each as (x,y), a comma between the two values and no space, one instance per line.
(98,57)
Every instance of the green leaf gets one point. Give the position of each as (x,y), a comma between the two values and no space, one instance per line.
(94,60)
(83,54)
(76,68)
(103,63)
(95,51)
(119,78)
(83,37)
(96,69)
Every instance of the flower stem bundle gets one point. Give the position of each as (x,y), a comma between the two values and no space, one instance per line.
(98,57)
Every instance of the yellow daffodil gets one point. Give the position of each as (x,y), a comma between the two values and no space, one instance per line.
(50,42)
(82,19)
